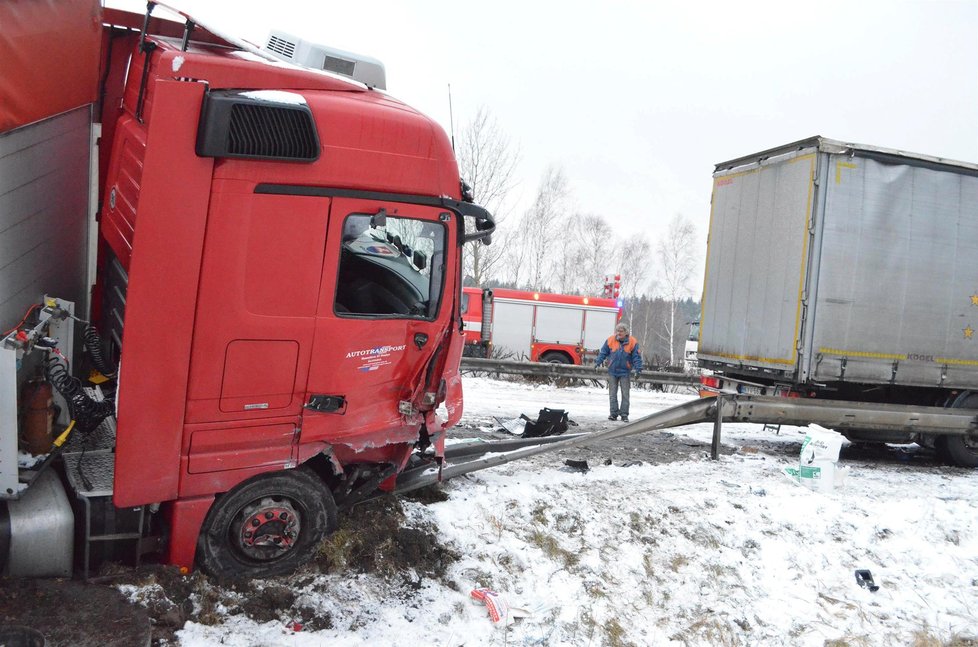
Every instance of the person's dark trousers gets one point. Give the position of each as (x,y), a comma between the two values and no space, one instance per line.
(613,384)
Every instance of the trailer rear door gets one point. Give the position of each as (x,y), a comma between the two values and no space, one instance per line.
(756,262)
(896,296)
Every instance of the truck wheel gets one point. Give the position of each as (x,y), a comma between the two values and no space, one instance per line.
(267,525)
(960,450)
(554,357)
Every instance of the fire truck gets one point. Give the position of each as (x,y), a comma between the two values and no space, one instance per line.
(536,326)
(261,257)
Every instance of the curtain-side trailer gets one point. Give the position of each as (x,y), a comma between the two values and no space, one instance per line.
(845,271)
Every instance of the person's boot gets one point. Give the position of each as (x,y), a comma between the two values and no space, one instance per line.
(624,418)
(612,417)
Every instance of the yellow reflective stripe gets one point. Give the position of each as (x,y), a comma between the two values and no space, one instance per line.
(956,362)
(856,353)
(859,353)
(788,362)
(801,158)
(839,165)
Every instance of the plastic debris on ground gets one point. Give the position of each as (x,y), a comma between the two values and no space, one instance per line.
(501,612)
(549,422)
(577,466)
(818,461)
(865,579)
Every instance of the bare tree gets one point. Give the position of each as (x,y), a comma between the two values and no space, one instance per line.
(565,268)
(633,263)
(487,161)
(539,229)
(678,259)
(595,254)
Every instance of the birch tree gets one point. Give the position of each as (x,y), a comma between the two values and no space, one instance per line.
(487,162)
(565,259)
(634,263)
(678,260)
(539,232)
(596,245)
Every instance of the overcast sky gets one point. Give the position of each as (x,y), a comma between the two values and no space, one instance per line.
(637,100)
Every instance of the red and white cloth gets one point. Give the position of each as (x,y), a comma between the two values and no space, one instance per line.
(495,604)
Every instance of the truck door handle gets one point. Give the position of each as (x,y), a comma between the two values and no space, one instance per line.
(326,403)
(420,339)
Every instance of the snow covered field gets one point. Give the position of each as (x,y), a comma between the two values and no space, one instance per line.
(690,552)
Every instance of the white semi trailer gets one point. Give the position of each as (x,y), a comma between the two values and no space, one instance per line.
(846,272)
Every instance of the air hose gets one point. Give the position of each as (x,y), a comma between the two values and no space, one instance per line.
(93,344)
(87,412)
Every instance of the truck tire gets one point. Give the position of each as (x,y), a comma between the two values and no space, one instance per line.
(267,525)
(555,357)
(958,450)
(961,451)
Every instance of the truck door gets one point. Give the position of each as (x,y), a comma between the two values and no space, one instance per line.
(253,334)
(385,305)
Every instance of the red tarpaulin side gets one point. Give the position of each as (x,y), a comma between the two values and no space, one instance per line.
(49,58)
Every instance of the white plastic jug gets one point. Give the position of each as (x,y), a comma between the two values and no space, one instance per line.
(818,459)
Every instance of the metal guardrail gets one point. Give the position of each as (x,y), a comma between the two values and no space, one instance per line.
(835,414)
(572,371)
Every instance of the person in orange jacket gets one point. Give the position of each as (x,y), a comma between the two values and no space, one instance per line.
(623,358)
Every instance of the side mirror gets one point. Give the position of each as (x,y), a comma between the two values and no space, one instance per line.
(379,219)
(420,260)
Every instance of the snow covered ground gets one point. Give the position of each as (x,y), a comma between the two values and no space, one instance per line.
(690,552)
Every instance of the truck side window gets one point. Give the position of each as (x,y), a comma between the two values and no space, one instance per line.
(394,269)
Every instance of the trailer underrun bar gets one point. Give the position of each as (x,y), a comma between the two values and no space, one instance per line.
(835,414)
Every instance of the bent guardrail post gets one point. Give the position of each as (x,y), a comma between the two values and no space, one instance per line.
(717,425)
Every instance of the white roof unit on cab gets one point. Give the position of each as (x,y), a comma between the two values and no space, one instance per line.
(364,69)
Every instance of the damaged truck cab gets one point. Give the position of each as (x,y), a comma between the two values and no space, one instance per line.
(279,282)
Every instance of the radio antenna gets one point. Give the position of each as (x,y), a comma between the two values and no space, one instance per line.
(451,116)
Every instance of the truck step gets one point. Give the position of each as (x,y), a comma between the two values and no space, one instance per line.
(89,458)
(90,473)
(102,437)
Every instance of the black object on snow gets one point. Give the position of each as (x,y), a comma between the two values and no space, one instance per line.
(865,580)
(549,422)
(580,466)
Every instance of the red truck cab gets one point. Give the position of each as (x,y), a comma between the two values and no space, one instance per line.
(279,282)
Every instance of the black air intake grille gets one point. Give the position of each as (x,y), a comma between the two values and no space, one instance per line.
(266,131)
(257,125)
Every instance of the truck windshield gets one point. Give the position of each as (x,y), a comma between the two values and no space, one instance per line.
(694,331)
(394,269)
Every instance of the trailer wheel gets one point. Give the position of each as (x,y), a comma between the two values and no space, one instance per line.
(555,357)
(960,450)
(267,525)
